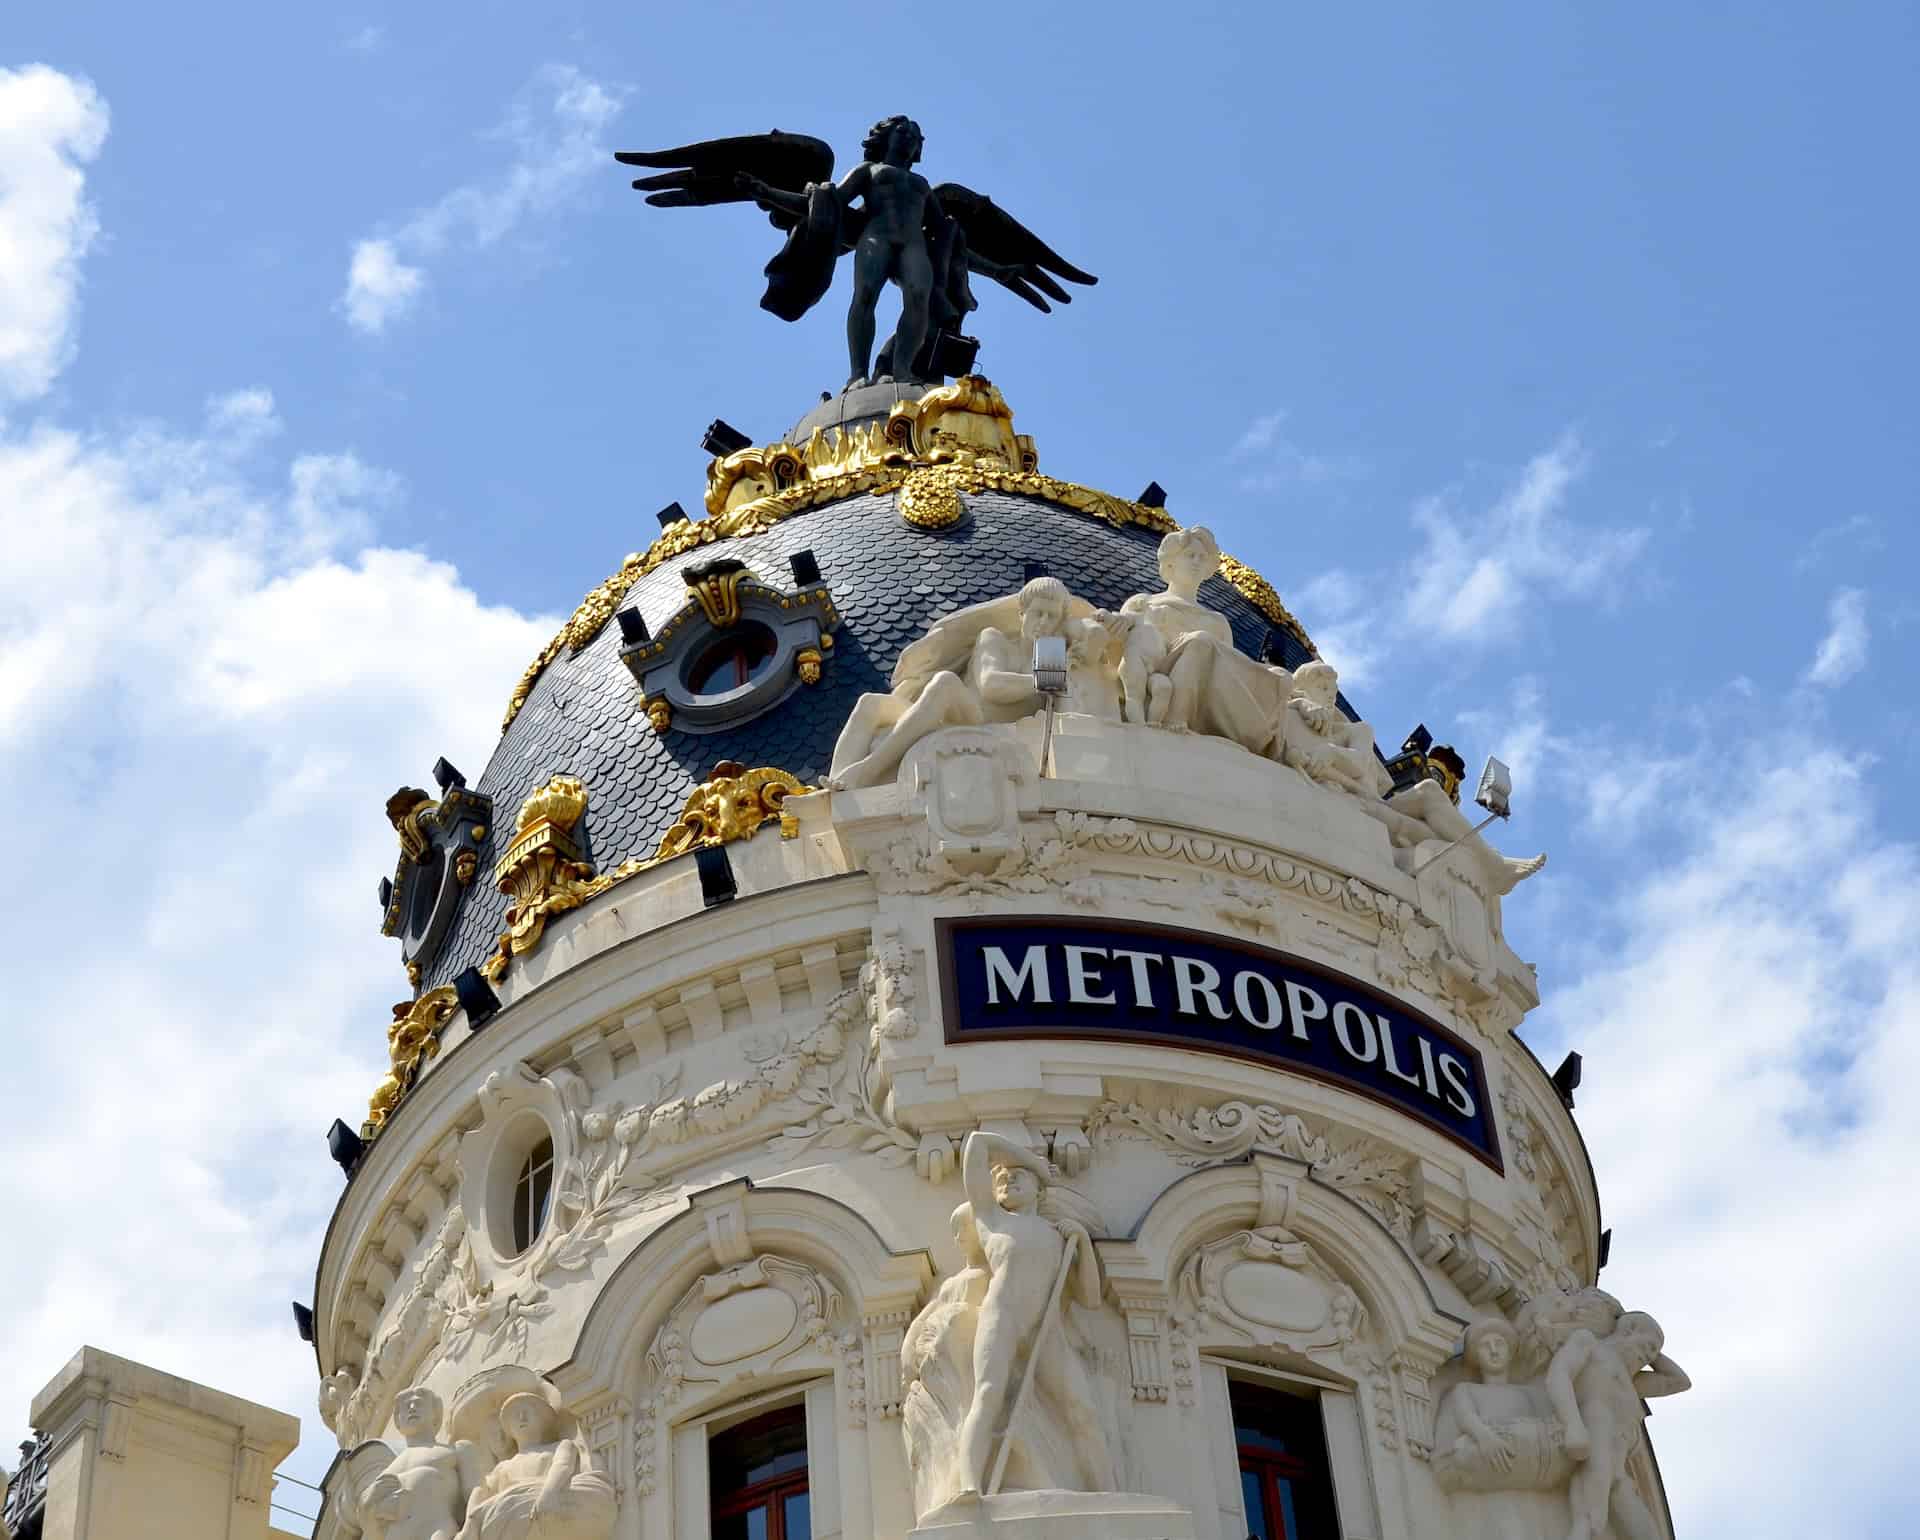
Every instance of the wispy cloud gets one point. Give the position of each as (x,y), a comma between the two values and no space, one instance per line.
(1857,534)
(1269,459)
(553,136)
(367,39)
(1842,652)
(51,126)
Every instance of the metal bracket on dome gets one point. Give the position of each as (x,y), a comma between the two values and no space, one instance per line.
(440,845)
(782,639)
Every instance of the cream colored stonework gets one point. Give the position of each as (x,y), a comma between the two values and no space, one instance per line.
(142,1455)
(759,1128)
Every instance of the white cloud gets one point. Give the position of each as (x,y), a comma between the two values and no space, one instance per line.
(553,131)
(1477,572)
(51,126)
(1270,460)
(1843,650)
(210,680)
(367,39)
(380,287)
(1751,1039)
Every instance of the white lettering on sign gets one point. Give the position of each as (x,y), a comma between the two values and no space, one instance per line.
(1084,977)
(1458,1096)
(1193,978)
(1032,975)
(1142,980)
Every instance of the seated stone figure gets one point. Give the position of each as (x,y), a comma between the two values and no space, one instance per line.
(973,666)
(546,1489)
(1423,812)
(1319,740)
(1493,1435)
(422,1494)
(1179,666)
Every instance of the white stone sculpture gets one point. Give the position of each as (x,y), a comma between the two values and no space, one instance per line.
(546,1488)
(1319,740)
(973,666)
(1179,666)
(1425,812)
(422,1494)
(936,1370)
(1597,1385)
(1035,1418)
(1493,1434)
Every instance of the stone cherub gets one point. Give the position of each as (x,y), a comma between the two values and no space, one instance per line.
(922,238)
(1319,740)
(1492,1434)
(422,1494)
(973,666)
(546,1489)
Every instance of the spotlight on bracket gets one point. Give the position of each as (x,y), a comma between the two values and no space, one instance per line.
(633,626)
(345,1146)
(716,875)
(386,893)
(1418,741)
(476,998)
(303,1321)
(671,515)
(722,438)
(1566,1079)
(1606,1250)
(445,776)
(1495,793)
(1155,496)
(806,568)
(1273,648)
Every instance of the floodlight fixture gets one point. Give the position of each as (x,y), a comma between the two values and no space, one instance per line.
(1050,679)
(1566,1079)
(1155,496)
(303,1320)
(806,568)
(722,439)
(717,885)
(1606,1250)
(345,1146)
(445,776)
(671,515)
(1495,794)
(633,626)
(476,998)
(1032,570)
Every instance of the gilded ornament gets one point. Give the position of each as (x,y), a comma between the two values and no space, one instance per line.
(807,662)
(413,971)
(544,871)
(413,1038)
(465,865)
(660,714)
(965,429)
(405,808)
(732,804)
(717,586)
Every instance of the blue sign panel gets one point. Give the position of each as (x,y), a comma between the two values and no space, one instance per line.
(1062,978)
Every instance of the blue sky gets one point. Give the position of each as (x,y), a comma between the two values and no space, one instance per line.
(1554,362)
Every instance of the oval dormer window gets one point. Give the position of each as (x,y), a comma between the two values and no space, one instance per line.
(736,657)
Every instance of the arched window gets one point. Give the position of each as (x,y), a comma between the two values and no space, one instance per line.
(757,1478)
(1283,1464)
(532,1193)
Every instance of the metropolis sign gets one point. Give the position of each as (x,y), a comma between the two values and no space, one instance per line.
(1099,980)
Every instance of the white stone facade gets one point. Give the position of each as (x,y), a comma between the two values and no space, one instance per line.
(759,1124)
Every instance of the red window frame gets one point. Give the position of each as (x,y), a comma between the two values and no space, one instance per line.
(1295,1421)
(1271,1469)
(773,1492)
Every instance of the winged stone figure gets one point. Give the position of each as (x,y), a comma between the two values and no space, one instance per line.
(924,239)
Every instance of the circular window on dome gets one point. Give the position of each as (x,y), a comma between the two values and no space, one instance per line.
(532,1195)
(736,657)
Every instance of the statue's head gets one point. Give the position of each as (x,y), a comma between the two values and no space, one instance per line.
(416,1411)
(1192,555)
(1490,1346)
(1043,608)
(1641,1332)
(1317,681)
(1016,1188)
(526,1418)
(888,132)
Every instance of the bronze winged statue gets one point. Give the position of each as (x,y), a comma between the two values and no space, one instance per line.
(899,228)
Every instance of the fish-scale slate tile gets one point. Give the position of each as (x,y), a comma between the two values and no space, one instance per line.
(890,582)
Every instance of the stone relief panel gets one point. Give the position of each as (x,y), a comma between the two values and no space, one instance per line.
(767,1316)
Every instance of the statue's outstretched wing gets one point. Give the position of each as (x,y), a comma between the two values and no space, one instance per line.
(710,171)
(1003,249)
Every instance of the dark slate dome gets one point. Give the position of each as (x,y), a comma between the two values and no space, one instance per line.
(889,582)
